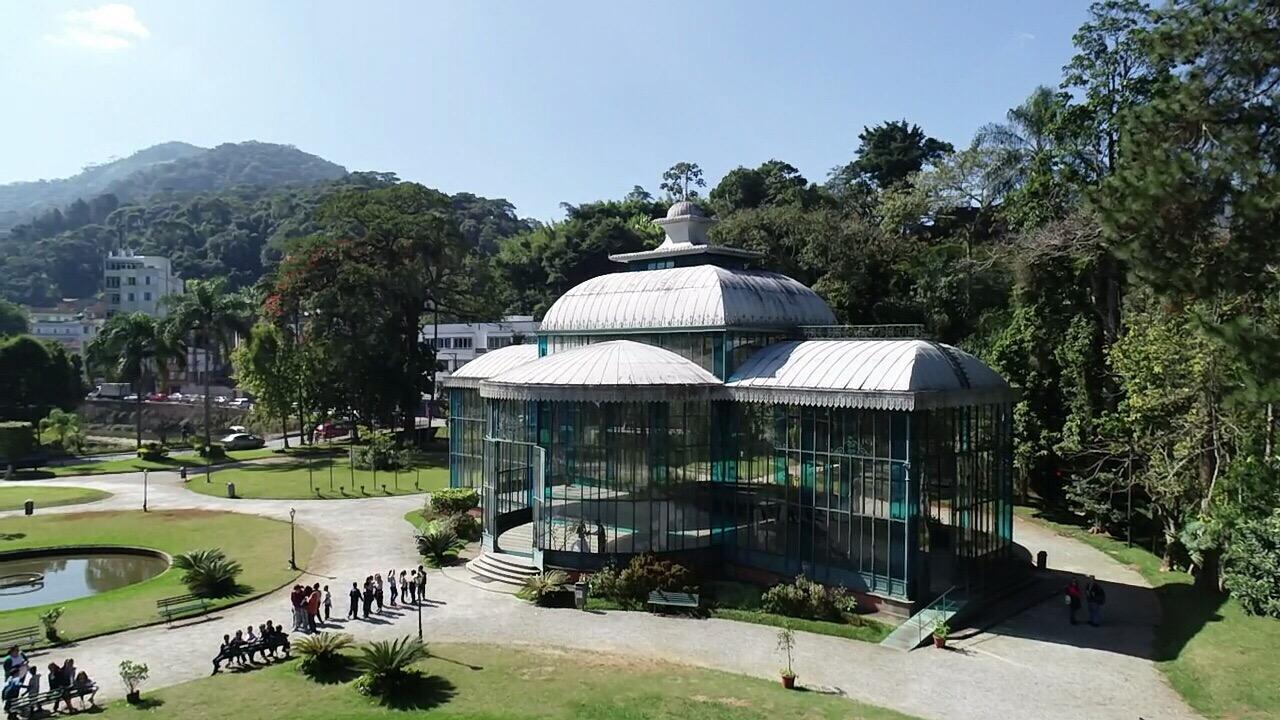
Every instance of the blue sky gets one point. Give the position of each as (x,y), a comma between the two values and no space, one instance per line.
(537,102)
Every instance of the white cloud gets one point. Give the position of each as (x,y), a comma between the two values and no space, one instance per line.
(113,26)
(1025,37)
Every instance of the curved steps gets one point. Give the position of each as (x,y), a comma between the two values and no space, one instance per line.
(500,571)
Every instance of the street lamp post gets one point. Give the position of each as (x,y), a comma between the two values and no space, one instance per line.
(293,558)
(144,490)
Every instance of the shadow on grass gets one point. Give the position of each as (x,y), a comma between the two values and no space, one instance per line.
(421,692)
(5,537)
(147,703)
(334,672)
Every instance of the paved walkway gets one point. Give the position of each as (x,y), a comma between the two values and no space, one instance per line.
(1034,666)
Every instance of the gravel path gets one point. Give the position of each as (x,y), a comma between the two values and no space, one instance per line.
(1033,666)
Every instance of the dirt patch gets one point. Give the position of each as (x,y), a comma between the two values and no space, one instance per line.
(589,658)
(726,701)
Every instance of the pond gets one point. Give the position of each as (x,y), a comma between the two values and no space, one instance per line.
(31,579)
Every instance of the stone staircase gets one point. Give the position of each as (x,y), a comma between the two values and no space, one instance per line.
(501,571)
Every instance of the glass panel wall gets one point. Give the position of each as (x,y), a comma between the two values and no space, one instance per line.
(466,437)
(718,352)
(626,478)
(818,490)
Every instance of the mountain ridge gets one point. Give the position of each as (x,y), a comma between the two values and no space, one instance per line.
(168,167)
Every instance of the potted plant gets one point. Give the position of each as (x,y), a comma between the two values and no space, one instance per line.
(49,619)
(787,644)
(940,634)
(133,674)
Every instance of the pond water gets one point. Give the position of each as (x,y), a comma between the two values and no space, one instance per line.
(71,575)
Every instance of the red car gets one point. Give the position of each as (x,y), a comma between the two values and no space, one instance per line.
(158,397)
(327,430)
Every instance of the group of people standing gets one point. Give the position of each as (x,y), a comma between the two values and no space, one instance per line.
(308,602)
(406,587)
(20,677)
(1093,596)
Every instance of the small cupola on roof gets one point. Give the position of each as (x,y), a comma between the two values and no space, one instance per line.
(686,226)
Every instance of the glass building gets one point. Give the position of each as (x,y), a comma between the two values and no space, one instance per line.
(691,407)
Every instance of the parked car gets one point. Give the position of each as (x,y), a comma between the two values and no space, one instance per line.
(131,397)
(242,441)
(176,397)
(157,397)
(237,429)
(221,399)
(327,430)
(241,402)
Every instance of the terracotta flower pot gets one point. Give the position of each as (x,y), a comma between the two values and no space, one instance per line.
(940,641)
(789,682)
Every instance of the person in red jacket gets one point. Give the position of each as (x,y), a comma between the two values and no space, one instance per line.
(1073,600)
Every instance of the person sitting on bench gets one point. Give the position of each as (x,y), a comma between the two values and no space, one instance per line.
(83,686)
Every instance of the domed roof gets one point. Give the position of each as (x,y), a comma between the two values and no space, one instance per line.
(490,364)
(880,374)
(686,297)
(613,371)
(685,208)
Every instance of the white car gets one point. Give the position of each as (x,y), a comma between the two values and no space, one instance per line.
(241,402)
(176,397)
(242,441)
(221,399)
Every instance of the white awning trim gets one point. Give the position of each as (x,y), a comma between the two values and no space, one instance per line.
(603,393)
(490,364)
(900,401)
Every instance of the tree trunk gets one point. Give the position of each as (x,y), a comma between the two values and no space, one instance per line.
(206,399)
(284,425)
(137,404)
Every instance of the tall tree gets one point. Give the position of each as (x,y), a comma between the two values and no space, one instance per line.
(211,316)
(682,180)
(267,365)
(888,154)
(138,348)
(13,320)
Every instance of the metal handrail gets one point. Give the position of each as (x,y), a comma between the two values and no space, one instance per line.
(941,603)
(863,332)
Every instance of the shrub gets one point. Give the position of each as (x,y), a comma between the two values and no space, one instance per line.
(152,451)
(803,598)
(646,573)
(606,583)
(381,453)
(322,652)
(437,542)
(213,451)
(385,666)
(463,525)
(17,439)
(49,619)
(452,501)
(208,573)
(541,588)
(133,674)
(1251,567)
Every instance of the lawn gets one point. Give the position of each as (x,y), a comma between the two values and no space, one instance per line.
(133,464)
(12,498)
(1225,663)
(483,682)
(332,477)
(259,544)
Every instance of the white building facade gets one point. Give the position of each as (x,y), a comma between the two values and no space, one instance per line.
(138,283)
(458,343)
(73,329)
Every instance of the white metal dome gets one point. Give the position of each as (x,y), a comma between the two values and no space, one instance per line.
(685,208)
(881,374)
(686,297)
(490,364)
(613,371)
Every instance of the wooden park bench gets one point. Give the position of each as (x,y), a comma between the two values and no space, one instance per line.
(674,599)
(27,705)
(178,605)
(22,637)
(248,650)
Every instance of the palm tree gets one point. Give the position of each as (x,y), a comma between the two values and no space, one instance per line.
(212,315)
(139,346)
(66,426)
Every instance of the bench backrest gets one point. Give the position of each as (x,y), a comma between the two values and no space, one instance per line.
(178,600)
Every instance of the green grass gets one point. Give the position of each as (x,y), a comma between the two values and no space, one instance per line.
(133,464)
(290,480)
(259,544)
(1225,663)
(12,498)
(482,682)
